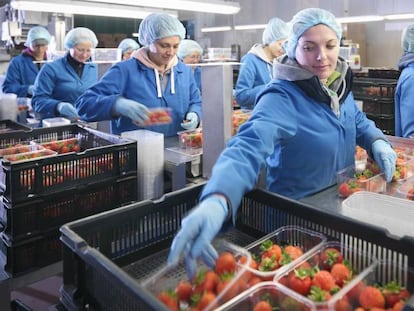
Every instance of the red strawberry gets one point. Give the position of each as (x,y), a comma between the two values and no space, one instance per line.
(371,297)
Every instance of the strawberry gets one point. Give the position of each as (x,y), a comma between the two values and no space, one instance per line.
(300,281)
(371,297)
(393,293)
(318,294)
(340,273)
(324,280)
(329,257)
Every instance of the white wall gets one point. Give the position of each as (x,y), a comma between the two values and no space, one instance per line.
(380,41)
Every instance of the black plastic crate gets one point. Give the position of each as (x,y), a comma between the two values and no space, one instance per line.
(378,106)
(371,88)
(31,254)
(102,157)
(386,122)
(384,73)
(106,256)
(9,126)
(32,217)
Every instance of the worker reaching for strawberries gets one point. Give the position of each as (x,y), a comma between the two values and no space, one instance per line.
(305,127)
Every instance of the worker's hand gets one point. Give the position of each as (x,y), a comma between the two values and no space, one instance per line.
(385,157)
(197,231)
(132,109)
(30,90)
(67,110)
(191,121)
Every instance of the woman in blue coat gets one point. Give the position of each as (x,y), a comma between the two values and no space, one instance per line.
(404,95)
(190,52)
(23,69)
(152,78)
(62,81)
(256,68)
(305,127)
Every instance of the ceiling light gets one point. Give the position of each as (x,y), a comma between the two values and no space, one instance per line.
(216,29)
(84,8)
(211,6)
(399,16)
(358,19)
(248,27)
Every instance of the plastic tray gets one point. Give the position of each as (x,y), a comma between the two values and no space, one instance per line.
(20,148)
(359,262)
(35,216)
(167,278)
(395,215)
(106,255)
(26,157)
(59,121)
(348,183)
(102,157)
(191,139)
(238,118)
(307,240)
(159,116)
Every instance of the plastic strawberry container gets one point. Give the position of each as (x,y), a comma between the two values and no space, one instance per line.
(191,139)
(166,279)
(396,215)
(360,263)
(27,156)
(352,179)
(394,282)
(269,292)
(238,118)
(305,240)
(157,116)
(20,148)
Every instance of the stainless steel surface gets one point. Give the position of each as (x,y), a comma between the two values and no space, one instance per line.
(217,83)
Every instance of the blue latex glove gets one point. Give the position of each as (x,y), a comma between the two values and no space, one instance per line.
(197,231)
(30,89)
(132,109)
(385,157)
(192,121)
(67,110)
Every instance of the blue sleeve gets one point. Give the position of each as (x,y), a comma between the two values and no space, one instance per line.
(43,101)
(406,105)
(14,81)
(246,90)
(96,103)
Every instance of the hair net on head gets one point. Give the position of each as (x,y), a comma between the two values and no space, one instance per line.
(158,26)
(305,19)
(407,39)
(275,30)
(37,36)
(78,35)
(187,47)
(128,45)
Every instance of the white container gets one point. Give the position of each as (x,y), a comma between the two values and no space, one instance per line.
(8,106)
(393,214)
(150,166)
(106,55)
(59,121)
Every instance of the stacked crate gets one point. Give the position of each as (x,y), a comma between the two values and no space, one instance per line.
(39,195)
(376,91)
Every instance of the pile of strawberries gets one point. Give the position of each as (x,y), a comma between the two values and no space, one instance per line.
(210,287)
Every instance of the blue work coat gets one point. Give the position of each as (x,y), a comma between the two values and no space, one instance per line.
(133,80)
(404,103)
(300,138)
(254,74)
(21,73)
(58,82)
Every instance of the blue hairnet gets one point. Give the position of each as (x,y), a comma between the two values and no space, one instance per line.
(275,30)
(158,26)
(78,35)
(305,19)
(38,34)
(187,47)
(407,39)
(128,45)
